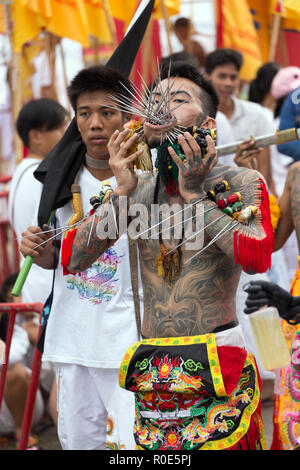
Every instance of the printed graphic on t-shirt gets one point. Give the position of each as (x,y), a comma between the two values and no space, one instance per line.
(98,283)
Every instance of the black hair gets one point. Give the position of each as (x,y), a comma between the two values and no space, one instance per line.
(96,78)
(261,85)
(186,70)
(4,290)
(41,114)
(182,55)
(223,56)
(6,286)
(182,22)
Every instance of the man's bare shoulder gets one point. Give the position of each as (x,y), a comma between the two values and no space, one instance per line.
(240,179)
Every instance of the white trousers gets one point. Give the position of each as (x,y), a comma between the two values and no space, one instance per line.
(88,399)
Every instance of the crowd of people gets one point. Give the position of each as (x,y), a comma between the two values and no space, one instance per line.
(130,333)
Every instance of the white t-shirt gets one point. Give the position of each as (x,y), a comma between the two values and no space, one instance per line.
(224,136)
(24,196)
(92,319)
(250,119)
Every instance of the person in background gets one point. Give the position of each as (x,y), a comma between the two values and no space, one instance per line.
(92,319)
(40,124)
(18,374)
(187,36)
(287,85)
(247,119)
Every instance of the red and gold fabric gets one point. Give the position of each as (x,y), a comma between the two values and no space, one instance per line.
(192,395)
(286,420)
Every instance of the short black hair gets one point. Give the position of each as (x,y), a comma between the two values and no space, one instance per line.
(7,285)
(96,78)
(261,84)
(40,114)
(182,22)
(182,55)
(223,56)
(186,70)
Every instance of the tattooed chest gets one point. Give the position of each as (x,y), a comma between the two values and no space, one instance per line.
(202,298)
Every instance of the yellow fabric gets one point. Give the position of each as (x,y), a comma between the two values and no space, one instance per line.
(295,284)
(73,19)
(27,24)
(97,21)
(275,211)
(125,10)
(285,405)
(2,20)
(239,33)
(261,17)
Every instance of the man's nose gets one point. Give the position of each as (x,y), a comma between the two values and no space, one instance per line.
(96,122)
(228,81)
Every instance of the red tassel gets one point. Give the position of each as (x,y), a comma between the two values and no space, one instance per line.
(66,250)
(172,188)
(255,254)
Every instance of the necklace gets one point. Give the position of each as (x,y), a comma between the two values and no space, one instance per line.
(168,264)
(96,164)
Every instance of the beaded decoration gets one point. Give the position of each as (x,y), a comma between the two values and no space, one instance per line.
(143,162)
(168,263)
(102,198)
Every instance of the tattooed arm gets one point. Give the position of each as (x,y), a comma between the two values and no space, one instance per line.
(289,204)
(248,184)
(197,175)
(94,235)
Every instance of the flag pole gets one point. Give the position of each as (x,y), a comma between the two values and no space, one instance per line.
(220,22)
(276,25)
(167,24)
(110,22)
(15,83)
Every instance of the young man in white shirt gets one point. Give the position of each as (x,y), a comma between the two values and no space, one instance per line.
(247,119)
(40,124)
(92,320)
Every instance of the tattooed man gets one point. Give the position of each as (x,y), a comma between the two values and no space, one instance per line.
(191,391)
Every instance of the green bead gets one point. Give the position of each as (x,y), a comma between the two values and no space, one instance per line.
(228,210)
(237,206)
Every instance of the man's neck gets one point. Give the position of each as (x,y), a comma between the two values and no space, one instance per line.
(227,107)
(98,166)
(35,155)
(100,174)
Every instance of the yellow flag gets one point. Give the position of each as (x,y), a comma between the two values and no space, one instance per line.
(69,20)
(2,20)
(239,33)
(290,13)
(172,7)
(27,24)
(261,17)
(97,18)
(124,10)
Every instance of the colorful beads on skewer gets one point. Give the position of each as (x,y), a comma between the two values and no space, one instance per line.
(231,204)
(220,187)
(103,196)
(246,214)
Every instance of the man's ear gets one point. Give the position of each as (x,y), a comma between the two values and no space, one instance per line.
(209,123)
(34,136)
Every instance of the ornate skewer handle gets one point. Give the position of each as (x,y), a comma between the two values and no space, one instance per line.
(287,135)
